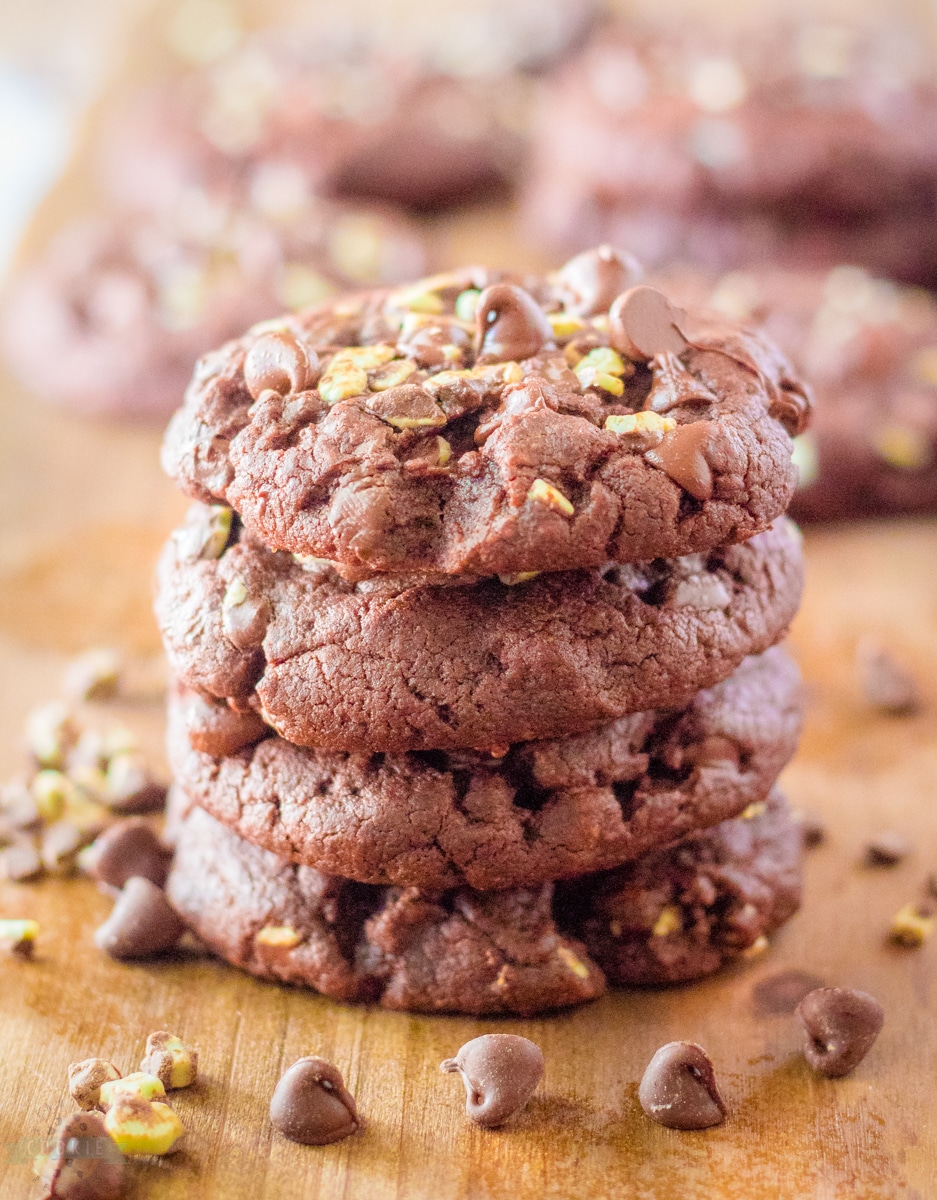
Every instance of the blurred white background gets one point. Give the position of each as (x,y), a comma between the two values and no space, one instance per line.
(54,57)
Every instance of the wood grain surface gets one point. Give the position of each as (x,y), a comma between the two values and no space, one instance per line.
(83,510)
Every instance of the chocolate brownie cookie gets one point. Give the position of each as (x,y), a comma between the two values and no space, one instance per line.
(484,953)
(680,914)
(416,663)
(376,103)
(811,143)
(869,346)
(467,424)
(543,810)
(470,952)
(116,313)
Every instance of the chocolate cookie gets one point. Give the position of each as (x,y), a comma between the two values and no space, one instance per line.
(406,663)
(116,313)
(357,99)
(543,810)
(470,952)
(469,425)
(484,953)
(680,914)
(812,143)
(869,347)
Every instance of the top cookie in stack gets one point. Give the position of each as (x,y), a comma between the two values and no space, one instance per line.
(477,423)
(467,603)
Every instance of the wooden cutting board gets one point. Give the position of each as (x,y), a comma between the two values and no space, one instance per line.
(83,511)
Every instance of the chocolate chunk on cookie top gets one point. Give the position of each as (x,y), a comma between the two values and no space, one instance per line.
(484,423)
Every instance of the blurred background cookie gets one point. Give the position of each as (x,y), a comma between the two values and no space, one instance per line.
(361,100)
(113,317)
(869,347)
(801,142)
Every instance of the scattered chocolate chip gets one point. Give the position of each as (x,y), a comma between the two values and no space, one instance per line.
(141,924)
(779,994)
(886,850)
(679,1089)
(643,322)
(886,684)
(930,885)
(312,1105)
(92,676)
(812,829)
(841,1025)
(130,847)
(589,283)
(84,1162)
(500,1072)
(510,325)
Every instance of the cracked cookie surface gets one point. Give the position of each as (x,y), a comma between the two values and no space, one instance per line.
(485,953)
(542,810)
(484,423)
(680,914)
(480,953)
(423,663)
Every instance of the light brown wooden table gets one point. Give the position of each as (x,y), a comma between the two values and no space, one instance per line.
(83,510)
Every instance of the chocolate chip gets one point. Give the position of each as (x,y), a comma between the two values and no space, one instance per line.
(510,325)
(128,848)
(886,684)
(131,788)
(500,1072)
(589,283)
(673,386)
(643,322)
(681,454)
(312,1105)
(278,362)
(841,1025)
(781,993)
(886,850)
(679,1089)
(141,924)
(791,405)
(84,1162)
(812,830)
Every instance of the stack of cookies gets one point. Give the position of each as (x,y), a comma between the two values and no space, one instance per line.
(478,702)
